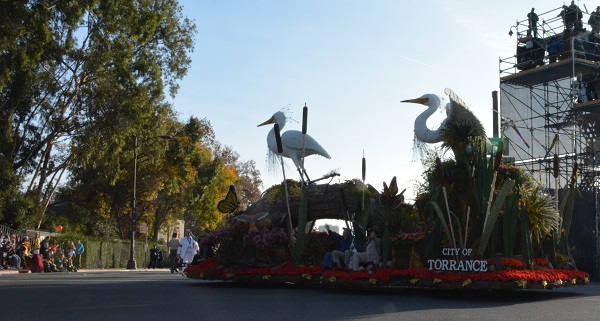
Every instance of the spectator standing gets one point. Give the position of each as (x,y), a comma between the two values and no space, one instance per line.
(160,259)
(573,17)
(563,15)
(173,247)
(37,242)
(153,257)
(554,49)
(595,84)
(533,20)
(581,89)
(594,21)
(79,249)
(25,248)
(45,247)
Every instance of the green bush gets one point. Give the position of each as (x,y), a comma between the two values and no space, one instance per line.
(102,253)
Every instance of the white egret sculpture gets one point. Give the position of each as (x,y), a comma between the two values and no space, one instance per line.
(454,131)
(456,112)
(291,142)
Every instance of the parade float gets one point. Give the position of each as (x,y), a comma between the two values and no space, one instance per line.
(477,222)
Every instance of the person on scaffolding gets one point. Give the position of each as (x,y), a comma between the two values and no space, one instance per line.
(533,20)
(595,84)
(580,88)
(569,15)
(575,16)
(594,21)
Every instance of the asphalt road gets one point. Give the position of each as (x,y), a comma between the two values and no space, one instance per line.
(159,295)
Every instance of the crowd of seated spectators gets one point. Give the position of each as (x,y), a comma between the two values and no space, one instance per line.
(36,255)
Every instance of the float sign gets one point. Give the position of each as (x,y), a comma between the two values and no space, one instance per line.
(451,263)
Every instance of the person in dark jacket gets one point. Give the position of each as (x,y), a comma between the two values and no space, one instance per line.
(44,246)
(533,20)
(344,252)
(153,257)
(13,260)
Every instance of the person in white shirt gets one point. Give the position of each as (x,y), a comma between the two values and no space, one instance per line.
(188,247)
(371,256)
(173,248)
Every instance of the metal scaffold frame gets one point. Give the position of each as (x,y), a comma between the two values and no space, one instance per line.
(549,125)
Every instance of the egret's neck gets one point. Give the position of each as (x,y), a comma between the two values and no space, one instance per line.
(423,132)
(422,118)
(271,140)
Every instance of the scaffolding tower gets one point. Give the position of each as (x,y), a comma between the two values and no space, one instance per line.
(550,125)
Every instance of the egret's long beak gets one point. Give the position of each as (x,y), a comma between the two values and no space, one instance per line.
(270,121)
(421,100)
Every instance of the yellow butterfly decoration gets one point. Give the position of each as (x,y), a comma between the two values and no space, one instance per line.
(230,203)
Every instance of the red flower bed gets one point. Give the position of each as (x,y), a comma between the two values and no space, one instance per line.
(517,273)
(520,264)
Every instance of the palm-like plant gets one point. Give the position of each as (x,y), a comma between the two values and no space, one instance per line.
(541,211)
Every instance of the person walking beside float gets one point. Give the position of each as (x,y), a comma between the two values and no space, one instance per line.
(188,247)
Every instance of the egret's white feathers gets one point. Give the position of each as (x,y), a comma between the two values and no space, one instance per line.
(292,141)
(459,111)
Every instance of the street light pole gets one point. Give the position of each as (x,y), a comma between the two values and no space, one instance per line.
(131,264)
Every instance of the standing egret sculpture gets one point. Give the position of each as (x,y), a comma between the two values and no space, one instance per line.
(292,143)
(454,131)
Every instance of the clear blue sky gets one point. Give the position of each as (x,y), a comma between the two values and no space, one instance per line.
(351,62)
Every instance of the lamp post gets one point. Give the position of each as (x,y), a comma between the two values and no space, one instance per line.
(131,264)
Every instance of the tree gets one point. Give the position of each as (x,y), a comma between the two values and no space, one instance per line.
(248,183)
(78,79)
(185,173)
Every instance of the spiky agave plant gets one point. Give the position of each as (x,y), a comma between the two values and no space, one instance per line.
(541,211)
